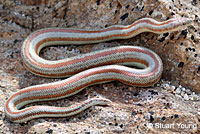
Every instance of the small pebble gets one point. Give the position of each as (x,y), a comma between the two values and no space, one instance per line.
(186,97)
(173,87)
(188,91)
(105,87)
(177,95)
(182,94)
(131,88)
(14,81)
(166,86)
(190,97)
(178,91)
(195,97)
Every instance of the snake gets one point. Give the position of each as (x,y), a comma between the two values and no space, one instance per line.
(132,65)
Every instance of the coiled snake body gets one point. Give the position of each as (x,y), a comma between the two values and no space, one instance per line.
(87,69)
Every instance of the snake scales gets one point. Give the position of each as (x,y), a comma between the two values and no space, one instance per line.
(87,69)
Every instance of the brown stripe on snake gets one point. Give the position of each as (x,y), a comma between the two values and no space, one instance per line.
(79,39)
(83,86)
(77,71)
(81,77)
(149,74)
(87,57)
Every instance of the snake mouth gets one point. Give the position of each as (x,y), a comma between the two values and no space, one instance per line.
(186,21)
(182,23)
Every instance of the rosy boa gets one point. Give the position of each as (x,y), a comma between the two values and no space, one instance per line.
(87,69)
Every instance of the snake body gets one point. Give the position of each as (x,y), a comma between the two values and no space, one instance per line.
(87,69)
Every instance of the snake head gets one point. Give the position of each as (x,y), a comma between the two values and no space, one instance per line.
(179,23)
(184,21)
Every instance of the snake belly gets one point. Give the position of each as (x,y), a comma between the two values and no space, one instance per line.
(145,66)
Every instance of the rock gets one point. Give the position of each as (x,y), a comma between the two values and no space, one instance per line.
(186,97)
(132,110)
(183,89)
(183,94)
(195,97)
(178,90)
